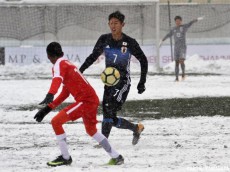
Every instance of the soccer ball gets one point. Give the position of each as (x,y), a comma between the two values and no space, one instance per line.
(110,76)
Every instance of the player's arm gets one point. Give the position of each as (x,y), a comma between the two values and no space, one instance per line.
(56,82)
(48,108)
(97,51)
(139,54)
(59,71)
(168,35)
(192,22)
(62,96)
(58,75)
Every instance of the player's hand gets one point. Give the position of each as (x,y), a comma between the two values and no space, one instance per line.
(42,113)
(200,18)
(141,88)
(48,99)
(81,70)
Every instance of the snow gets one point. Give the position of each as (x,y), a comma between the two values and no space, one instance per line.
(185,144)
(195,64)
(31,83)
(192,144)
(157,87)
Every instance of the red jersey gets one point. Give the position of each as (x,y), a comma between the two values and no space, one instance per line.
(73,81)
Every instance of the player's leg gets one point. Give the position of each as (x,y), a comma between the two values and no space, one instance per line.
(89,111)
(114,105)
(176,57)
(106,126)
(117,159)
(113,99)
(177,70)
(137,129)
(125,124)
(107,121)
(182,59)
(57,122)
(110,119)
(182,68)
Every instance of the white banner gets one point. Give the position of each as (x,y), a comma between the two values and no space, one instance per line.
(205,52)
(37,55)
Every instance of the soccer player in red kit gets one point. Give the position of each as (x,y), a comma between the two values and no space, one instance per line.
(85,106)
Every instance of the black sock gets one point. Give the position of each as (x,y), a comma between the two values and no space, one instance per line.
(177,69)
(183,69)
(106,128)
(124,124)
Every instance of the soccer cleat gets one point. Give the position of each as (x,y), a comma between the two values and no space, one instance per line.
(136,134)
(116,161)
(59,161)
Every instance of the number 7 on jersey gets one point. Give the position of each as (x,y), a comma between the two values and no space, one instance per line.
(115,58)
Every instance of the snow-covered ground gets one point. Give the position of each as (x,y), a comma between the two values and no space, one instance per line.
(195,64)
(193,144)
(16,92)
(198,144)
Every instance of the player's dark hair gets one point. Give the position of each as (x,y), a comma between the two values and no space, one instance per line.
(178,17)
(118,15)
(54,50)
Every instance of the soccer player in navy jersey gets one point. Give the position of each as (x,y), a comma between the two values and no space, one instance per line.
(118,48)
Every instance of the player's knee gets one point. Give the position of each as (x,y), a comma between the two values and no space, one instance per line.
(55,122)
(113,121)
(181,61)
(91,130)
(177,63)
(60,119)
(57,126)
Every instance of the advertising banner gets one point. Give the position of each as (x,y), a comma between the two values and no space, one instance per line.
(37,55)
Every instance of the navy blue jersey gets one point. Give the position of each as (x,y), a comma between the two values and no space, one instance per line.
(118,55)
